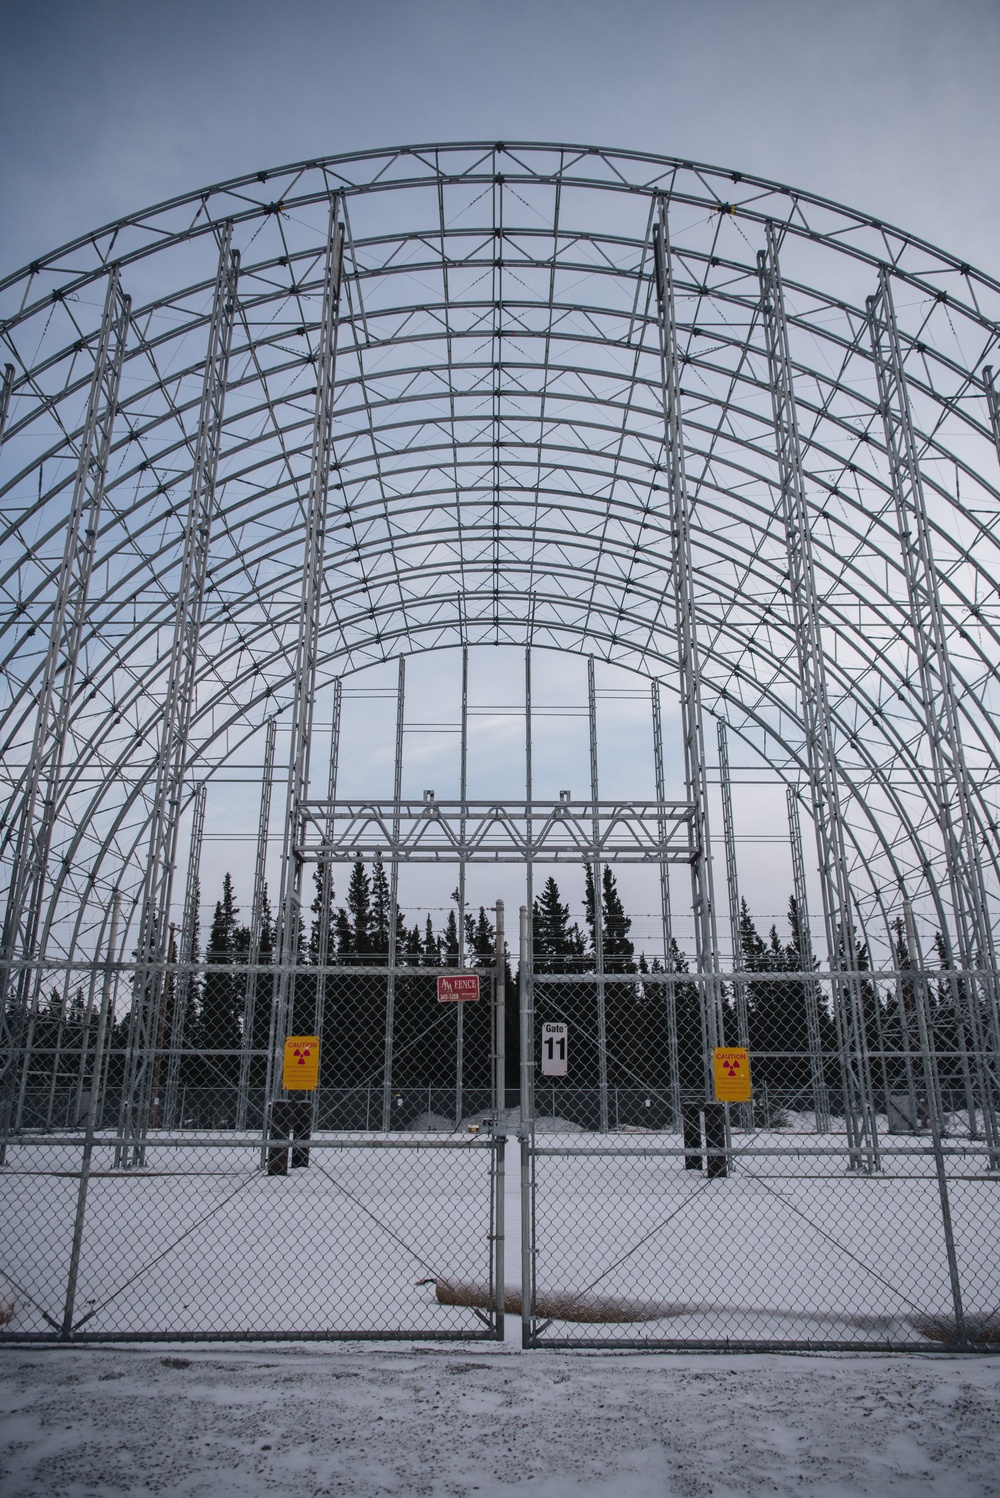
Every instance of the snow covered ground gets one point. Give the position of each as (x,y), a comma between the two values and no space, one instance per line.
(790,1248)
(479,1421)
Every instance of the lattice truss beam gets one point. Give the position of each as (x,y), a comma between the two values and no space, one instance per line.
(497,475)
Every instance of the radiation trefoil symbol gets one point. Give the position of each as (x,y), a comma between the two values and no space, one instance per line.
(732,1067)
(301,1056)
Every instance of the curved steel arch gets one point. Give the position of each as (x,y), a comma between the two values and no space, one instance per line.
(498,419)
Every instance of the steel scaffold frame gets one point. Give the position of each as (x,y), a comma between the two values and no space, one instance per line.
(546,524)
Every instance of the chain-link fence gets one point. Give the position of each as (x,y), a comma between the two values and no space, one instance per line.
(189,1188)
(854,1201)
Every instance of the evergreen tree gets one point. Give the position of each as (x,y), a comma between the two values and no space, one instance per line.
(413,948)
(359,904)
(431,948)
(261,1017)
(558,947)
(449,942)
(381,911)
(619,952)
(222,1003)
(344,934)
(323,931)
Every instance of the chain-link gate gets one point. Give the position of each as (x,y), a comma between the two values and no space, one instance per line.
(161,1195)
(816,1216)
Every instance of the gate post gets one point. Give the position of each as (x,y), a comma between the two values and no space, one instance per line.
(66,1331)
(499,1121)
(526,1130)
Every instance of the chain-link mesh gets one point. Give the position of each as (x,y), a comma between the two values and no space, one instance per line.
(183,1190)
(855,1201)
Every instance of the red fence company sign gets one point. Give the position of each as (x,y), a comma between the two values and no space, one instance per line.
(463,986)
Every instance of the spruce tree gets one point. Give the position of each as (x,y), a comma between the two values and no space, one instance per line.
(449,941)
(222,1003)
(619,953)
(359,903)
(413,948)
(323,930)
(558,946)
(381,919)
(431,947)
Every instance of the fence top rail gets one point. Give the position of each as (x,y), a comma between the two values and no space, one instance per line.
(370,965)
(202,1142)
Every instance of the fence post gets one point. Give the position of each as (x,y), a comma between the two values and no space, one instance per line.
(499,1142)
(933,1108)
(526,1130)
(66,1331)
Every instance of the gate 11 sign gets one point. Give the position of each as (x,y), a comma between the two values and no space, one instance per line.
(554,1048)
(731,1067)
(463,986)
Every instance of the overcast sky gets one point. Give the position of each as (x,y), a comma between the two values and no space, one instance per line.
(889,105)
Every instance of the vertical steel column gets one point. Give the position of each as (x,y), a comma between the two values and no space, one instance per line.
(992,401)
(178,711)
(688,654)
(820,749)
(305,664)
(390,987)
(935,1111)
(463,777)
(256,925)
(185,976)
(326,885)
(669,986)
(43,773)
(499,1115)
(810,987)
(602,1027)
(745,1110)
(6,386)
(529,872)
(72,1276)
(526,1130)
(940,721)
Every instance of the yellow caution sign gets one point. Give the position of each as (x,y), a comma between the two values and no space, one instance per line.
(300,1072)
(731,1067)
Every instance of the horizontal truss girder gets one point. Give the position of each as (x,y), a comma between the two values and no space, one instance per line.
(431,831)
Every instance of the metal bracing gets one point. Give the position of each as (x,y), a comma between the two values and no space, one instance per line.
(597,887)
(820,747)
(435,831)
(970,938)
(258,916)
(463,794)
(992,400)
(178,709)
(186,954)
(674,484)
(44,770)
(390,987)
(666,920)
(820,1091)
(325,943)
(553,486)
(6,386)
(732,882)
(745,1111)
(529,825)
(307,642)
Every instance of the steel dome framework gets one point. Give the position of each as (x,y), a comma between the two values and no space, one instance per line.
(482,399)
(721,433)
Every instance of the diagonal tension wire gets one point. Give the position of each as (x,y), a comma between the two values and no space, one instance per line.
(168,1250)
